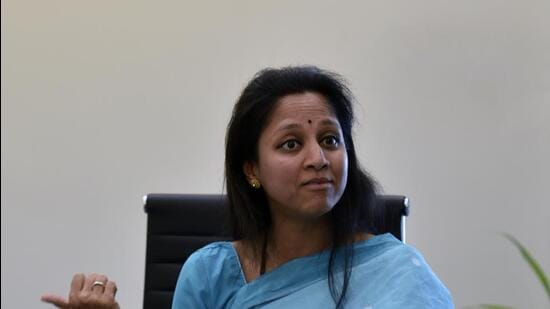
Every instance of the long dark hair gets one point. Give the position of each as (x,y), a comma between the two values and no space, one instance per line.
(250,217)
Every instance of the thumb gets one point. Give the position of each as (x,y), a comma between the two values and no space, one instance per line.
(55,300)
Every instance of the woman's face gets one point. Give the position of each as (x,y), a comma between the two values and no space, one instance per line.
(302,160)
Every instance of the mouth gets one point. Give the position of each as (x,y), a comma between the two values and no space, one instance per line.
(319,182)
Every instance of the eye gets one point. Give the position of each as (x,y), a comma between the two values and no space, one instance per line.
(290,145)
(330,141)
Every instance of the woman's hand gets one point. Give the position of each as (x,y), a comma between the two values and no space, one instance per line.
(87,292)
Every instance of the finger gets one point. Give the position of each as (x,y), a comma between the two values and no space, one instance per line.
(77,284)
(88,282)
(55,300)
(110,289)
(98,286)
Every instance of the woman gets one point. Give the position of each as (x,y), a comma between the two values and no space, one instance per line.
(301,210)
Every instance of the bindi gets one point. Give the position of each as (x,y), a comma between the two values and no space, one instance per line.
(309,121)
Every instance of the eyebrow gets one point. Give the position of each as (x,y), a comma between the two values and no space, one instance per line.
(330,122)
(325,122)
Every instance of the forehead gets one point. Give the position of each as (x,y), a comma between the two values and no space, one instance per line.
(300,107)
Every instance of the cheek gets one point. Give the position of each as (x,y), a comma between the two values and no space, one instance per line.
(341,169)
(345,171)
(279,174)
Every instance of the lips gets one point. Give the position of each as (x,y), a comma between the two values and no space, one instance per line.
(317,181)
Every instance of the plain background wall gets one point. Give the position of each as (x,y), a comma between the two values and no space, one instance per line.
(105,101)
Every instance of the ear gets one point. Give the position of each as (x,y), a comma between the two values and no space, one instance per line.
(250,170)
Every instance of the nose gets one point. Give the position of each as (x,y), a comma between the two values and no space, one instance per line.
(315,158)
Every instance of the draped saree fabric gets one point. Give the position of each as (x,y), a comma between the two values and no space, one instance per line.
(385,274)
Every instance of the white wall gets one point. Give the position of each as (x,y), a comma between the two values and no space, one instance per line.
(105,101)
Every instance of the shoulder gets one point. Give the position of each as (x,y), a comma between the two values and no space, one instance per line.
(210,256)
(213,252)
(211,268)
(420,285)
(213,257)
(400,258)
(389,248)
(409,280)
(380,247)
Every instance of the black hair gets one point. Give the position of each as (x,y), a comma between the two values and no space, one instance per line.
(250,217)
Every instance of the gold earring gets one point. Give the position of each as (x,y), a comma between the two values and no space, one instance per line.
(255,183)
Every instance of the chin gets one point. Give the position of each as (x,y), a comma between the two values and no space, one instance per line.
(316,209)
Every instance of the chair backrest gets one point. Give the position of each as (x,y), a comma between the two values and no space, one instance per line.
(179,224)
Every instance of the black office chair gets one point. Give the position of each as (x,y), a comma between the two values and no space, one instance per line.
(179,224)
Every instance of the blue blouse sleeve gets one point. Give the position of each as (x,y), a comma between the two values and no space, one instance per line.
(192,288)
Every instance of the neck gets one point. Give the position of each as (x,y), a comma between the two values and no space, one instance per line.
(290,239)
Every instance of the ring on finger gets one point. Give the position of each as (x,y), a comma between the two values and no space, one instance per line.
(98,283)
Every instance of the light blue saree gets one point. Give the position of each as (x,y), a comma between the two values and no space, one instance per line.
(386,274)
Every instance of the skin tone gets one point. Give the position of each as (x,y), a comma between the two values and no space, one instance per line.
(85,295)
(302,168)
